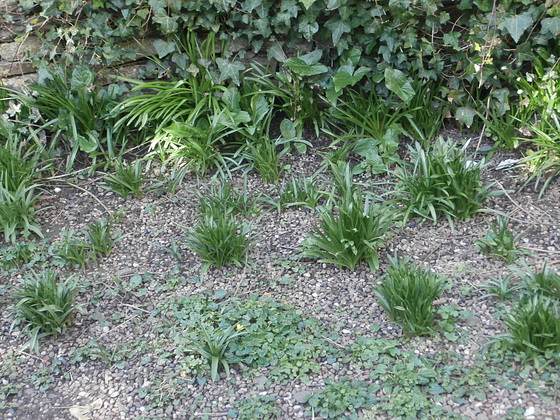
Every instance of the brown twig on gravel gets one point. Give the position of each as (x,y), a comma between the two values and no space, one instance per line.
(540,250)
(518,206)
(88,192)
(211,414)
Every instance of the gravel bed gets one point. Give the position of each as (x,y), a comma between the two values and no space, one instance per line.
(82,375)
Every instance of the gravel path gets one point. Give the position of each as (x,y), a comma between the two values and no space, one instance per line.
(117,362)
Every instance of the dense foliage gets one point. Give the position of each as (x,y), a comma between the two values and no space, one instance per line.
(464,42)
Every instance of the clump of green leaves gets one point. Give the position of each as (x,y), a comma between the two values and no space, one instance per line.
(44,304)
(212,343)
(443,182)
(220,240)
(220,198)
(545,282)
(13,256)
(73,250)
(352,234)
(296,192)
(100,237)
(343,397)
(127,179)
(534,326)
(542,160)
(501,288)
(20,166)
(500,242)
(277,336)
(407,294)
(69,99)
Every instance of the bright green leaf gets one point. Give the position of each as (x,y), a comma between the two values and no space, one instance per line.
(307,3)
(397,82)
(82,78)
(87,144)
(301,68)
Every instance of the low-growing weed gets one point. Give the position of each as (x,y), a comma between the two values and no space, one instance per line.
(73,250)
(127,179)
(500,242)
(296,192)
(262,407)
(351,235)
(501,288)
(14,256)
(343,397)
(220,241)
(212,343)
(407,294)
(44,304)
(261,155)
(443,182)
(100,237)
(534,326)
(219,198)
(545,282)
(174,249)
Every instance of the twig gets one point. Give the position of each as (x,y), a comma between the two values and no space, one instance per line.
(540,250)
(211,414)
(136,307)
(515,203)
(88,192)
(118,326)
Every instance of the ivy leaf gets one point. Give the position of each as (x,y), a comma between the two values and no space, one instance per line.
(276,52)
(82,78)
(304,65)
(307,3)
(251,5)
(167,24)
(338,28)
(344,78)
(551,25)
(518,24)
(308,29)
(44,75)
(229,69)
(452,39)
(398,83)
(465,115)
(313,57)
(164,48)
(334,4)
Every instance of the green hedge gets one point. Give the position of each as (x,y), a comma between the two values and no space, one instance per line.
(463,42)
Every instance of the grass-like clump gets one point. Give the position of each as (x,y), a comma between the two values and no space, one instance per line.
(407,294)
(44,304)
(443,182)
